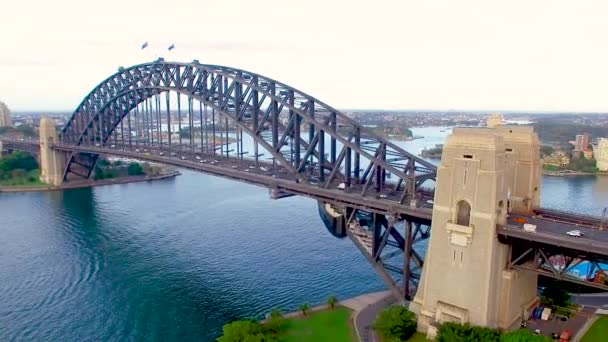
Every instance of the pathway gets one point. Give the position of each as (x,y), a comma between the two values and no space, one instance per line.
(366,308)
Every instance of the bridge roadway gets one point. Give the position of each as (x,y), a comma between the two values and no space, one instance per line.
(551,227)
(273,178)
(552,231)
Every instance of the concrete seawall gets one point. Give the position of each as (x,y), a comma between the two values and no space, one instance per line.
(89,183)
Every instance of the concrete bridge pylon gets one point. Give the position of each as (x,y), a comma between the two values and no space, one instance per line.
(465,278)
(52,162)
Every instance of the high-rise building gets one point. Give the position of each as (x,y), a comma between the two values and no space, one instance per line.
(585,142)
(5,115)
(601,154)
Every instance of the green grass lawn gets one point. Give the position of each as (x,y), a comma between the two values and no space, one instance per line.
(418,337)
(31,178)
(598,331)
(330,325)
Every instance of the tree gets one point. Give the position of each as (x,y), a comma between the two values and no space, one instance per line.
(134,169)
(275,323)
(304,308)
(395,322)
(243,331)
(103,163)
(454,332)
(546,150)
(332,301)
(184,133)
(555,295)
(27,130)
(18,160)
(523,335)
(98,173)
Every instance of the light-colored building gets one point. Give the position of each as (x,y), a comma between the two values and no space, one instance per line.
(601,154)
(5,115)
(484,173)
(581,146)
(494,120)
(559,159)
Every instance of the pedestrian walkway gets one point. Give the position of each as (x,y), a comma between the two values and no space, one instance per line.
(366,308)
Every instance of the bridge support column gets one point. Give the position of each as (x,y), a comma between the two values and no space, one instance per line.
(52,162)
(465,277)
(1,149)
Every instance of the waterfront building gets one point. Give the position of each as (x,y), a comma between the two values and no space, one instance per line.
(5,115)
(581,146)
(601,154)
(559,159)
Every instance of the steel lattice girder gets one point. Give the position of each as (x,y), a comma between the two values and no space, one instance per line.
(232,93)
(541,259)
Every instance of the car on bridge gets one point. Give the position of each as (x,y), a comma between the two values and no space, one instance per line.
(575,233)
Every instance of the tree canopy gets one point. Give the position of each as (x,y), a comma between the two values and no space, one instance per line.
(555,295)
(17,161)
(396,322)
(454,332)
(243,331)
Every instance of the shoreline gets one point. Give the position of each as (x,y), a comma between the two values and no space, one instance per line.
(573,174)
(90,183)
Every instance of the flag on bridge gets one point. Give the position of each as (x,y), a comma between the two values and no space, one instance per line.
(171,47)
(145,45)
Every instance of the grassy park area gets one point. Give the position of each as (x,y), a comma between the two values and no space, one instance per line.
(598,331)
(23,178)
(326,325)
(19,169)
(418,337)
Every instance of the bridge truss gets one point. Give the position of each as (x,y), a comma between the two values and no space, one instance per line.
(314,141)
(192,109)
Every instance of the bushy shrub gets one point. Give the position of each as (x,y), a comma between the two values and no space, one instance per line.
(395,323)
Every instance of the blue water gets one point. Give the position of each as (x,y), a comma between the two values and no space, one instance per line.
(176,259)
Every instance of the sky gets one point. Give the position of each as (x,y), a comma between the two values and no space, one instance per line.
(536,55)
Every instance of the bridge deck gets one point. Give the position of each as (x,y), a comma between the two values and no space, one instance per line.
(245,170)
(552,231)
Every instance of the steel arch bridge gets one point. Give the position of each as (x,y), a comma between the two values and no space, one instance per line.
(315,146)
(254,104)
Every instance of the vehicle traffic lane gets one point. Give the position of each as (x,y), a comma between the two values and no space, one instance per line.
(552,226)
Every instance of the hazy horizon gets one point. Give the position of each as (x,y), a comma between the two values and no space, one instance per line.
(541,56)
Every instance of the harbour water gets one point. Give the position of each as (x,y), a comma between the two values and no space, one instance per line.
(176,259)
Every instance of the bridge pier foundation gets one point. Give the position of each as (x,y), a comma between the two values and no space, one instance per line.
(52,162)
(465,278)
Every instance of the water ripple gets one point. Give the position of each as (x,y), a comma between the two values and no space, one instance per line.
(173,260)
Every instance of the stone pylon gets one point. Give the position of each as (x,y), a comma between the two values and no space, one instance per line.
(465,277)
(52,162)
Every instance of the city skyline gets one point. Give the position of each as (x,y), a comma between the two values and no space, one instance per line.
(544,56)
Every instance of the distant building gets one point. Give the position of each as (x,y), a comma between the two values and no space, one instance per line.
(5,115)
(494,120)
(601,154)
(559,159)
(581,146)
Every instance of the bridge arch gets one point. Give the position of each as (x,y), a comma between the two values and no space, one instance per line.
(275,115)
